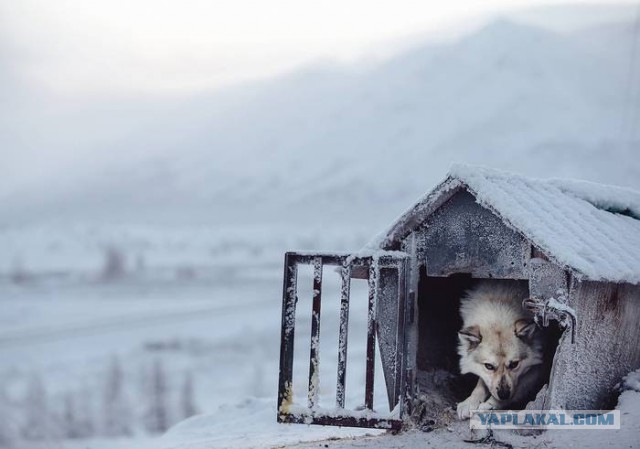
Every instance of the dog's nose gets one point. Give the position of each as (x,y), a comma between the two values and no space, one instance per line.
(504,394)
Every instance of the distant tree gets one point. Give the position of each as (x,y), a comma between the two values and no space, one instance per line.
(187,404)
(157,414)
(114,266)
(18,273)
(116,410)
(8,433)
(185,273)
(85,418)
(69,424)
(37,424)
(141,263)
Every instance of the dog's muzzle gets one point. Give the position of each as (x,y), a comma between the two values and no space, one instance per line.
(504,392)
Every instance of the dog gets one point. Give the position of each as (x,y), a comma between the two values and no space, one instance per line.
(501,344)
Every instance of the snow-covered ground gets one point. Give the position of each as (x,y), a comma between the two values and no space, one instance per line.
(201,316)
(202,433)
(212,336)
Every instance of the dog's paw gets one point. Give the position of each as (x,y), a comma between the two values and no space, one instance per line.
(465,407)
(489,404)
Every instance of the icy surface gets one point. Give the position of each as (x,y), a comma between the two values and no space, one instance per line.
(205,302)
(248,425)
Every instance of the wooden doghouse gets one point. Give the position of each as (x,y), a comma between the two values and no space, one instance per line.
(575,244)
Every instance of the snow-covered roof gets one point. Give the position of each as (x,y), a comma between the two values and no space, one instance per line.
(591,228)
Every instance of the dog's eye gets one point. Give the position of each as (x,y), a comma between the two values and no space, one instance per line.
(489,366)
(513,364)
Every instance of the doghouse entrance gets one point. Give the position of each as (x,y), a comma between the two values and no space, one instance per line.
(439,384)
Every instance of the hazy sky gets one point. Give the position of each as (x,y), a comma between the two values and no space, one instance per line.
(87,85)
(83,47)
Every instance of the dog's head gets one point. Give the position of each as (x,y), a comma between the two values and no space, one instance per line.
(500,355)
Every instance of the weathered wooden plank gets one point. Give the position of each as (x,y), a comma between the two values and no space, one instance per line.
(464,237)
(341,420)
(357,262)
(546,279)
(410,341)
(289,299)
(345,274)
(399,377)
(390,304)
(314,356)
(371,337)
(607,346)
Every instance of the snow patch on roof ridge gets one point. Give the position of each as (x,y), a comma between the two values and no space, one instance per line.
(610,198)
(466,172)
(606,197)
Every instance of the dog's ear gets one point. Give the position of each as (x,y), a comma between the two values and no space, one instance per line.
(525,329)
(470,335)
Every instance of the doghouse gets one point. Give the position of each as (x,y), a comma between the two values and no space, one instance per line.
(575,244)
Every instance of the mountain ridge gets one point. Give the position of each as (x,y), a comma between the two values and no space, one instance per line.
(348,145)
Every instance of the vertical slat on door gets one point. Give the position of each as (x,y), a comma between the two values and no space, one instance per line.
(314,380)
(371,336)
(412,276)
(288,329)
(343,334)
(400,340)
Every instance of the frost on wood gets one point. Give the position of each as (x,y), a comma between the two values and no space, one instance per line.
(343,338)
(585,374)
(314,357)
(388,326)
(290,314)
(338,412)
(314,379)
(463,237)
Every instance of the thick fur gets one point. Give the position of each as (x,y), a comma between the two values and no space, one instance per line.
(500,343)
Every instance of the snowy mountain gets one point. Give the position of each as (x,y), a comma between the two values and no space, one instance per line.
(335,143)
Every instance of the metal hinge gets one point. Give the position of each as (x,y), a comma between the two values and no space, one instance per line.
(553,309)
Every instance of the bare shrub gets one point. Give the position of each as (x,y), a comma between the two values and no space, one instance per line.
(114,265)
